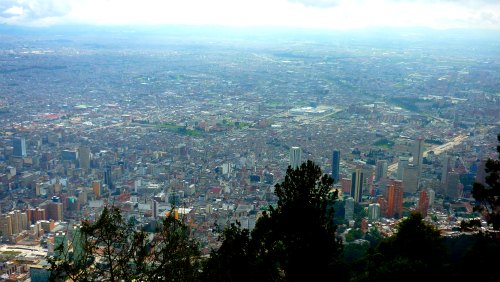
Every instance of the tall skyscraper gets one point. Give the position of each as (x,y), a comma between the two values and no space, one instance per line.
(418,152)
(423,203)
(381,170)
(357,185)
(155,209)
(411,179)
(19,144)
(402,164)
(84,157)
(374,211)
(444,169)
(349,208)
(295,157)
(395,199)
(432,197)
(78,244)
(336,166)
(108,177)
(453,190)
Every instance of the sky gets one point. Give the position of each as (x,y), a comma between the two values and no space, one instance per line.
(323,14)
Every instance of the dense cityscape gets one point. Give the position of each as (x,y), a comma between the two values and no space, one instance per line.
(205,126)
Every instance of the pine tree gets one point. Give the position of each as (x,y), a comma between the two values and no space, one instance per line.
(488,197)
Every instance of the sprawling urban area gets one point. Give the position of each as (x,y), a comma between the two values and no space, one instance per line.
(205,126)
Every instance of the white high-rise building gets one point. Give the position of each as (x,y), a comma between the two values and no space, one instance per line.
(432,197)
(374,211)
(295,157)
(402,164)
(418,153)
(349,208)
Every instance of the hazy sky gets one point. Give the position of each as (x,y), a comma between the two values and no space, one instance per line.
(330,14)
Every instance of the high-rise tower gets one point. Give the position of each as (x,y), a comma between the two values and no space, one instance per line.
(418,154)
(395,199)
(357,185)
(295,157)
(19,145)
(108,177)
(336,166)
(381,170)
(84,157)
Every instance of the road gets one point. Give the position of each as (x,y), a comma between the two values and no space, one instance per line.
(437,150)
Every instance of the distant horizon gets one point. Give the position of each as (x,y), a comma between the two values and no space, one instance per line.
(335,15)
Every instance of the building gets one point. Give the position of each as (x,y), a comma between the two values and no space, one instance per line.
(453,190)
(357,185)
(78,244)
(423,203)
(54,211)
(374,211)
(395,199)
(336,166)
(96,188)
(418,153)
(70,156)
(295,157)
(155,209)
(19,221)
(108,177)
(19,144)
(349,208)
(381,170)
(40,272)
(60,245)
(432,197)
(6,225)
(444,169)
(346,184)
(402,164)
(84,157)
(411,179)
(35,215)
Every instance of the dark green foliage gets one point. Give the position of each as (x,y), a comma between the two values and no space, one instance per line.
(293,242)
(416,251)
(355,251)
(477,260)
(232,261)
(113,250)
(354,234)
(373,237)
(488,197)
(470,225)
(303,234)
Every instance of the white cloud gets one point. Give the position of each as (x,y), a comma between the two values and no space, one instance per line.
(317,3)
(331,14)
(33,12)
(14,10)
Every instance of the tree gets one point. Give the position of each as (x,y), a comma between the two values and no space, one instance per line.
(416,251)
(174,254)
(112,249)
(106,248)
(488,197)
(232,261)
(294,241)
(299,234)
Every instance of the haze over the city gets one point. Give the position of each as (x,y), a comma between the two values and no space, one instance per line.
(323,14)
